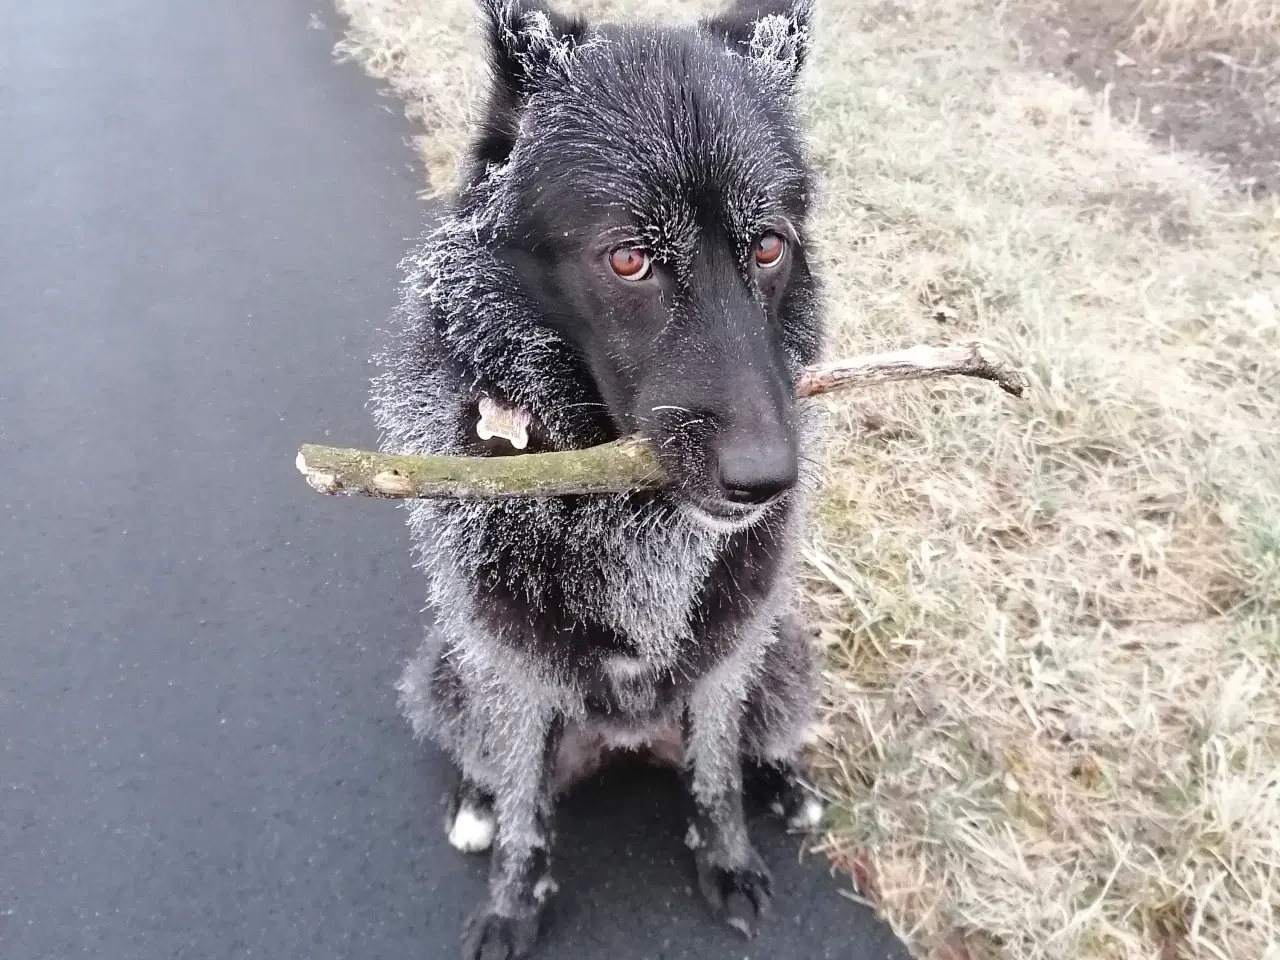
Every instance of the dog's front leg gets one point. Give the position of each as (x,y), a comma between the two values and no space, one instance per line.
(731,875)
(520,883)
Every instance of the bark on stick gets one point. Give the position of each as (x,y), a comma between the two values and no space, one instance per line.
(612,467)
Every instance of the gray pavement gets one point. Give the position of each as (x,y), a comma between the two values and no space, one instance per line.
(200,755)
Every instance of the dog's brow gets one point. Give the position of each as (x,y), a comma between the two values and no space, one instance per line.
(619,236)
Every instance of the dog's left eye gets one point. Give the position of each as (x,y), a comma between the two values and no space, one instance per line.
(769,250)
(630,263)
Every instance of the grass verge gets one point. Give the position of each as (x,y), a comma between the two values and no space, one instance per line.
(1190,23)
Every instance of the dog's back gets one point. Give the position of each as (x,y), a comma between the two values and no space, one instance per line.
(628,255)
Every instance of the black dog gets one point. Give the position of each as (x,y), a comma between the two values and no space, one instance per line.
(628,254)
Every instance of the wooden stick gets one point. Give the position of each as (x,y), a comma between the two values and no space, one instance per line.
(612,467)
(917,363)
(608,468)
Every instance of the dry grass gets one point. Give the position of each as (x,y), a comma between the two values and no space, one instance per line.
(430,55)
(1053,627)
(1054,636)
(1186,23)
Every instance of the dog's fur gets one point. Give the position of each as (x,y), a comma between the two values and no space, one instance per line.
(569,628)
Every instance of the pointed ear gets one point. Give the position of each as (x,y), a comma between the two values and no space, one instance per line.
(524,39)
(773,31)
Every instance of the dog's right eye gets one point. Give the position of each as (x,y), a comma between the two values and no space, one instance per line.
(769,249)
(630,263)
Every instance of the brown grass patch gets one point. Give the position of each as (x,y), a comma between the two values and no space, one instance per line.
(1051,628)
(1188,23)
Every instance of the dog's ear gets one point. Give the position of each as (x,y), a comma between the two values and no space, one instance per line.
(525,38)
(774,31)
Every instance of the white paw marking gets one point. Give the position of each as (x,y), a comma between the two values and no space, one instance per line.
(693,839)
(545,888)
(472,830)
(808,816)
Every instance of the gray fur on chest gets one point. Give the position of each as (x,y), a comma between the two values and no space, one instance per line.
(632,570)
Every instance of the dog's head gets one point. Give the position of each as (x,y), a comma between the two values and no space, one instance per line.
(656,192)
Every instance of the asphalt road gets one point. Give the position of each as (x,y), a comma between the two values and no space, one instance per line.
(200,755)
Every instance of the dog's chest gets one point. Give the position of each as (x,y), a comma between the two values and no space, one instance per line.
(612,568)
(648,590)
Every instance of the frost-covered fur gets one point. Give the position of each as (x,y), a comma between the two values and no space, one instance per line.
(573,627)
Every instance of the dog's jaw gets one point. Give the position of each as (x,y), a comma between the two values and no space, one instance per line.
(731,524)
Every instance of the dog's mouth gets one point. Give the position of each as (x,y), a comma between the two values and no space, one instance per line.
(699,489)
(508,429)
(724,516)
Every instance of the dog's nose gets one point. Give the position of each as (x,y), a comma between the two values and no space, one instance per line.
(754,473)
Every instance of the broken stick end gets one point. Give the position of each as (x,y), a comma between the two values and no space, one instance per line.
(322,481)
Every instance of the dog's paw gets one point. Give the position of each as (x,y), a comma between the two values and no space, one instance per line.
(806,815)
(740,895)
(779,787)
(800,812)
(472,828)
(470,821)
(489,936)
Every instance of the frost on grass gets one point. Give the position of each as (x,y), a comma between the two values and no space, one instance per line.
(1052,632)
(1197,23)
(431,56)
(1052,629)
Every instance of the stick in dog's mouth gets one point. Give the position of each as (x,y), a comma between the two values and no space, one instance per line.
(623,465)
